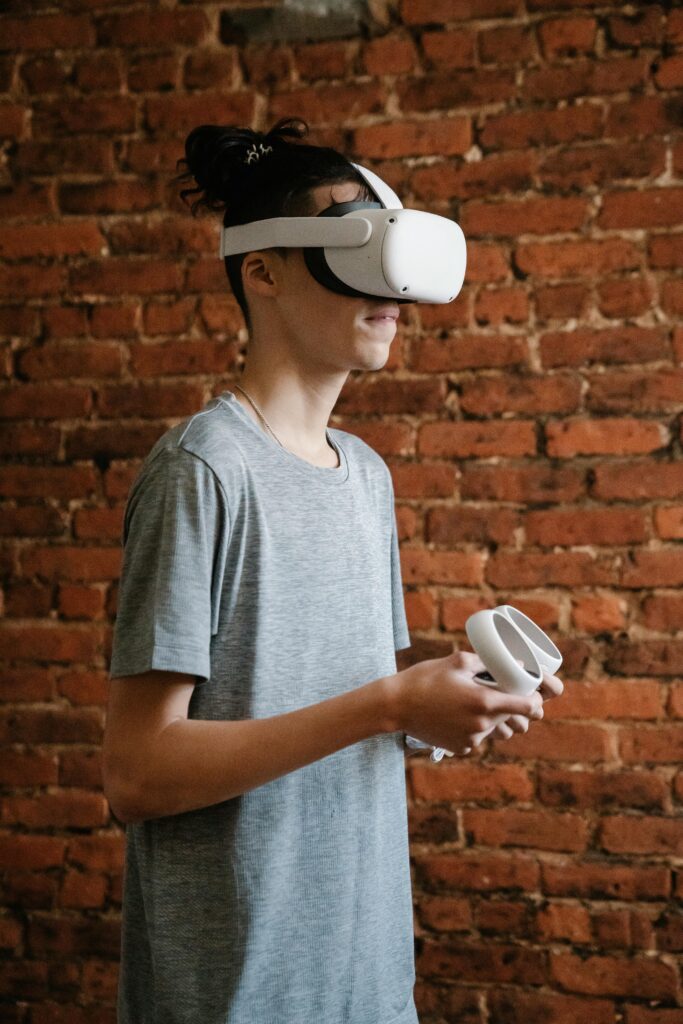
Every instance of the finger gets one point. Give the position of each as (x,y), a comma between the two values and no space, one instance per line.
(518,723)
(508,704)
(502,731)
(551,686)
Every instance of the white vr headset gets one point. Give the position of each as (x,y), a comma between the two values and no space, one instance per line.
(368,249)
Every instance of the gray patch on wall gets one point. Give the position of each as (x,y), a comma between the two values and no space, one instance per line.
(294,20)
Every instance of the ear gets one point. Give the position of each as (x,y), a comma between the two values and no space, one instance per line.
(260,273)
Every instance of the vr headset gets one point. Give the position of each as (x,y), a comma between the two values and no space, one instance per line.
(368,249)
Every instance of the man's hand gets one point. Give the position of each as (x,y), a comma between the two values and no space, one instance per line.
(551,687)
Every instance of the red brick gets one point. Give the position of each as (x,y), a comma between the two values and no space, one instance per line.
(445,913)
(389,54)
(116,320)
(514,1006)
(481,439)
(521,394)
(30,280)
(127,195)
(607,345)
(43,401)
(67,808)
(617,976)
(560,741)
(98,114)
(419,565)
(100,442)
(61,359)
(208,68)
(450,136)
(179,234)
(567,37)
(99,72)
(425,479)
(527,484)
(28,768)
(662,568)
(543,127)
(660,207)
(56,642)
(494,173)
(502,44)
(534,569)
(47,32)
(581,525)
(660,744)
(470,783)
(605,880)
(637,479)
(433,355)
(76,602)
(477,963)
(645,1015)
(81,890)
(448,526)
(478,872)
(176,113)
(623,834)
(137,28)
(84,687)
(662,612)
(178,358)
(598,614)
(155,72)
(541,830)
(120,275)
(559,787)
(623,299)
(645,657)
(58,481)
(617,436)
(441,90)
(561,921)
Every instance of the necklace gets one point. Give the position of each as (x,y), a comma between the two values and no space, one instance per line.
(250,399)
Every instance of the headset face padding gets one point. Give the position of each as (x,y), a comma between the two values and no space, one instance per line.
(319,267)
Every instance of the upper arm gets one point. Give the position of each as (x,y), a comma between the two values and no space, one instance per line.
(138,709)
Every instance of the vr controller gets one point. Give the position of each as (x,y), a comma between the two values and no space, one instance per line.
(502,637)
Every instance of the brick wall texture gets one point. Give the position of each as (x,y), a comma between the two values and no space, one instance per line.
(533,429)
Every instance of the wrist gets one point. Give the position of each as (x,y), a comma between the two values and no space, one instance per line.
(390,703)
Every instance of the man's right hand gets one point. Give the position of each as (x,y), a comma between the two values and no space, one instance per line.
(439,701)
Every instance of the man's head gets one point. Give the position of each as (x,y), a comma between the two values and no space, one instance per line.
(274,288)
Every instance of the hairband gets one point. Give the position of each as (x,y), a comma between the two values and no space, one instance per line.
(254,155)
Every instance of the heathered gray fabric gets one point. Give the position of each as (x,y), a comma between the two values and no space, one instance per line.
(278,584)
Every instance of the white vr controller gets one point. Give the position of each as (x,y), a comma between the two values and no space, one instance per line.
(502,637)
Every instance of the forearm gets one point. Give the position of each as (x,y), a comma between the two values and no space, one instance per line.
(194,763)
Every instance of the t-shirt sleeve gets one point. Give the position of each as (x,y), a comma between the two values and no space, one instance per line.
(401,634)
(175,537)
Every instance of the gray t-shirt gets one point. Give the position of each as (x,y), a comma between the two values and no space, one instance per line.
(277,584)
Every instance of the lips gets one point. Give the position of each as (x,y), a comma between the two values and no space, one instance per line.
(383,312)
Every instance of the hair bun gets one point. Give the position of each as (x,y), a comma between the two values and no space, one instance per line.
(216,157)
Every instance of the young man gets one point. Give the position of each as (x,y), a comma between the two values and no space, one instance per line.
(255,730)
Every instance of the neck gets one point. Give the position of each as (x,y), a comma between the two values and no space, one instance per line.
(296,405)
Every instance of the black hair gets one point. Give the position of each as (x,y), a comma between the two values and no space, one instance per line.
(278,184)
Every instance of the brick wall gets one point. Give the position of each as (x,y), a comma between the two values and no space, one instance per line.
(533,429)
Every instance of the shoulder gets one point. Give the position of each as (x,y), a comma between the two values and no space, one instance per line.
(206,434)
(194,451)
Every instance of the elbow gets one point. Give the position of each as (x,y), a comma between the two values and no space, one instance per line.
(123,794)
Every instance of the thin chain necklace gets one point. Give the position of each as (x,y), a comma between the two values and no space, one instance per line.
(250,399)
(261,415)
